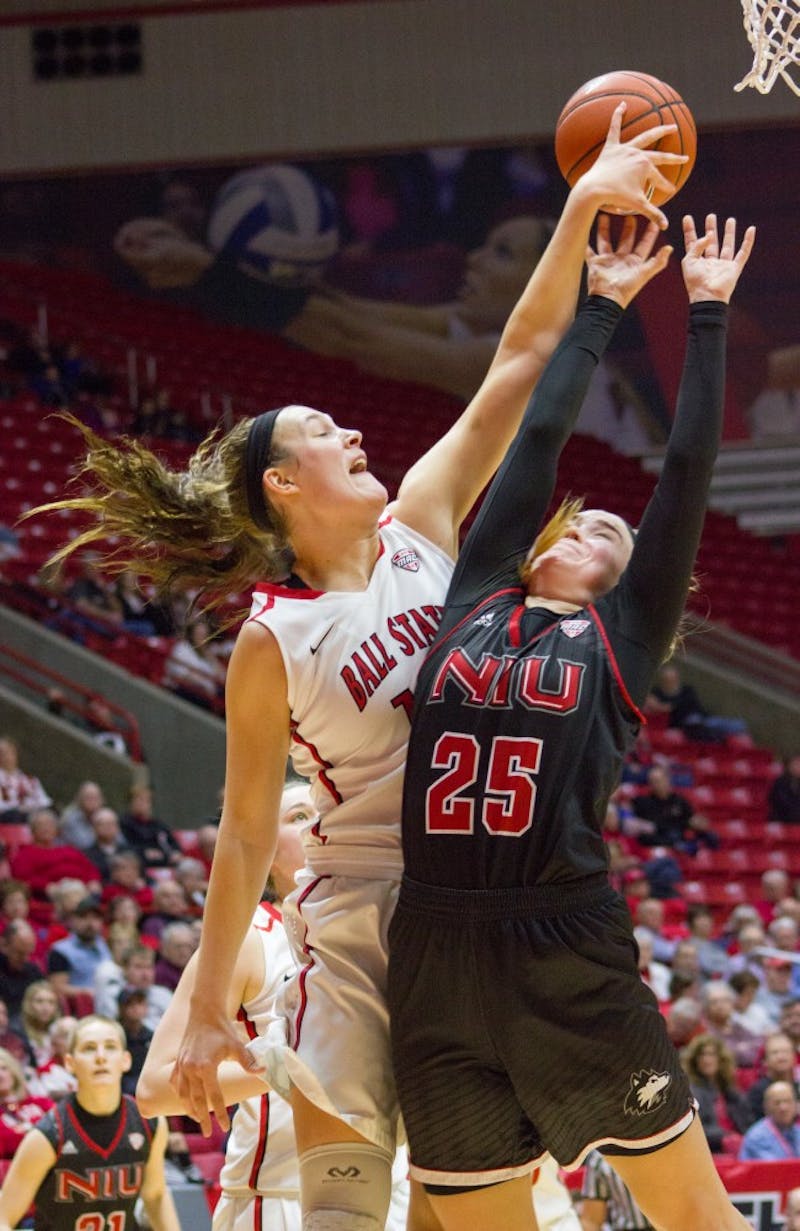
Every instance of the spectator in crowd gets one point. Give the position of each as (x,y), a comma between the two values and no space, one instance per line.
(72,963)
(49,388)
(53,1078)
(192,877)
(775,886)
(779,1063)
(724,1112)
(139,613)
(783,934)
(635,887)
(104,727)
(138,970)
(38,1013)
(132,1011)
(649,913)
(668,811)
(745,984)
(19,1110)
(624,852)
(684,1020)
(14,901)
(109,978)
(76,819)
(750,940)
(107,842)
(741,915)
(655,974)
(713,958)
(125,879)
(784,793)
(17,970)
(193,670)
(145,833)
(776,1135)
(12,1040)
(686,960)
(46,859)
(790,1021)
(206,838)
(20,793)
(679,701)
(776,989)
(605,1202)
(125,912)
(169,906)
(93,595)
(718,1014)
(178,943)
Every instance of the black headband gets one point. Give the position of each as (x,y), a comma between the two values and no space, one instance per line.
(259,444)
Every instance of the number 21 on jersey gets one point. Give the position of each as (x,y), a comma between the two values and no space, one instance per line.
(508,798)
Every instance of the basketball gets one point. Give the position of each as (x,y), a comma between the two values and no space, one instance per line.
(582,126)
(277,223)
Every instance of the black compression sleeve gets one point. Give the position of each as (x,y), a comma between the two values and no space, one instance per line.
(649,600)
(511,514)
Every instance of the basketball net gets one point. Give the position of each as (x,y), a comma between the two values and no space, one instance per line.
(773,30)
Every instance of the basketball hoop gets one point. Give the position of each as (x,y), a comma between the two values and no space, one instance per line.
(773,30)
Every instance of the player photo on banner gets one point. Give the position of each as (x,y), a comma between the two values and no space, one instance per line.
(408,264)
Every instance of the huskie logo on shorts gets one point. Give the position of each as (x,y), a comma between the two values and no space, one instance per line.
(406,558)
(574,628)
(648,1092)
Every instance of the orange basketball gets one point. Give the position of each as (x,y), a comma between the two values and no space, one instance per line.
(582,127)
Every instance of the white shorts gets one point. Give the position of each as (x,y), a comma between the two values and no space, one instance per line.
(334,1007)
(262,1213)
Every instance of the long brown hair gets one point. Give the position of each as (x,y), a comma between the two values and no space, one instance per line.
(183,530)
(726,1073)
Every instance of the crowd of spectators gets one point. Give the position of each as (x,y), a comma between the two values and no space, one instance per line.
(98,912)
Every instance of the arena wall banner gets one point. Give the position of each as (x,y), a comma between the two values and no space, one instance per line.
(327,252)
(759,1189)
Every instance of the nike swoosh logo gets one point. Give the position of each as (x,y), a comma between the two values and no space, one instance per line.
(314,648)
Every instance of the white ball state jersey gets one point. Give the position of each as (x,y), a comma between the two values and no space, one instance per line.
(351,663)
(261,1155)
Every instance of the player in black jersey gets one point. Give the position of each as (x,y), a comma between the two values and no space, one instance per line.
(520,1023)
(86,1163)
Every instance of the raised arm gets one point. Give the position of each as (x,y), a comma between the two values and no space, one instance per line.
(654,587)
(438,492)
(511,513)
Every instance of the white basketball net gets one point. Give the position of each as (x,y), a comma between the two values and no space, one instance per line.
(773,29)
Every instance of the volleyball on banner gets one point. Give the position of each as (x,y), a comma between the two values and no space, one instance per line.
(277,223)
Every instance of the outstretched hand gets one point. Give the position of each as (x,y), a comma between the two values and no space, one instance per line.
(626,172)
(620,272)
(160,253)
(711,270)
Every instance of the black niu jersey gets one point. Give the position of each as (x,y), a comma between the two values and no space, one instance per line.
(91,1187)
(517,747)
(522,717)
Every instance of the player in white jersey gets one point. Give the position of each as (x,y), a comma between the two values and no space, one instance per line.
(287,497)
(260,1179)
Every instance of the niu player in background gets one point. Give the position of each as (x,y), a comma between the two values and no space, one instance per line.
(520,1025)
(87,1162)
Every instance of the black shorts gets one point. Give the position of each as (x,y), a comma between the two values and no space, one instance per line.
(520,1026)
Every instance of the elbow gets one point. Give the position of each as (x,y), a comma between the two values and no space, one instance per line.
(147,1099)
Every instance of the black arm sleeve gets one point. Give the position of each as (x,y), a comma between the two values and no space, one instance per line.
(650,598)
(517,500)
